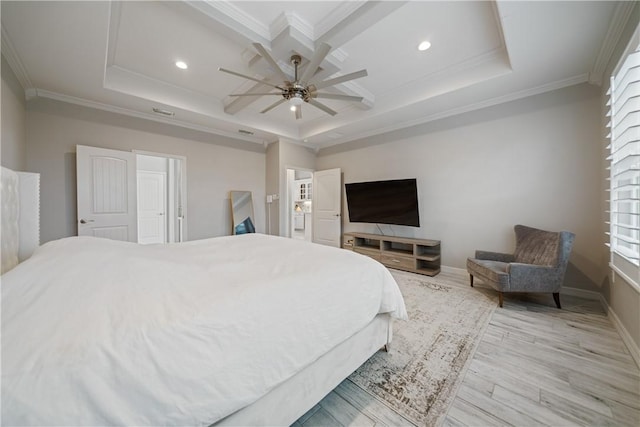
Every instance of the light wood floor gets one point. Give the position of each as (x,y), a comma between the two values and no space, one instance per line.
(535,366)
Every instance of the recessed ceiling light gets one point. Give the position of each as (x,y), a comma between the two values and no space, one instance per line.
(424,45)
(182,65)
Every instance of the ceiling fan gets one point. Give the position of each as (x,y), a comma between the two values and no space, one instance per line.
(302,88)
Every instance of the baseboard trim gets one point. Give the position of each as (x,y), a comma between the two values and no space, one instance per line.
(453,270)
(582,293)
(624,334)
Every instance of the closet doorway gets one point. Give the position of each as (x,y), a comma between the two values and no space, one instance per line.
(161,192)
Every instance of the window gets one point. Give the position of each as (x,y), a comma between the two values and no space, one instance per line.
(624,126)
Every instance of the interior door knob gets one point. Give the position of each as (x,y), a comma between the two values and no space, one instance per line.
(84,221)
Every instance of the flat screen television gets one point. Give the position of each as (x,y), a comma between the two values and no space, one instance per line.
(384,202)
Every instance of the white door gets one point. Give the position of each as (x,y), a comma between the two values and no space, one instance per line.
(152,218)
(327,198)
(106,181)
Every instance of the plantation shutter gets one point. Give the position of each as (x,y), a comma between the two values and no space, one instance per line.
(624,127)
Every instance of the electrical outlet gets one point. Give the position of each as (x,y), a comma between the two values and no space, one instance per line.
(269,198)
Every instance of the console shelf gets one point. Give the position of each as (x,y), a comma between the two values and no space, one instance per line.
(420,256)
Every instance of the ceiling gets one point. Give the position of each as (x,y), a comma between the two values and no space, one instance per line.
(120,57)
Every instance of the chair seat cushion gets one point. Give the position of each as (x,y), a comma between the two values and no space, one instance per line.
(493,272)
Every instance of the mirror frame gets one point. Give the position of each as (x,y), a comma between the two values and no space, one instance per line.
(238,216)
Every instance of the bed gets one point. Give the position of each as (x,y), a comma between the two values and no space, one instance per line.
(238,330)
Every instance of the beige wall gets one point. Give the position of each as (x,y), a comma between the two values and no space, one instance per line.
(212,170)
(283,155)
(533,161)
(292,156)
(272,184)
(13,121)
(622,297)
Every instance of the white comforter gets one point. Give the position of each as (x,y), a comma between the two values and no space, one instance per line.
(100,332)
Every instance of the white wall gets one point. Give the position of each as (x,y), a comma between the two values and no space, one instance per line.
(13,121)
(534,161)
(212,170)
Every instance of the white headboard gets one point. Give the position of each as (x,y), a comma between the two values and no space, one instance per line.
(20,231)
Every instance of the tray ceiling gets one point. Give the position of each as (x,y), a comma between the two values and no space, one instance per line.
(120,56)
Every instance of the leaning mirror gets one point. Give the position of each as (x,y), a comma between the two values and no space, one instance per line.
(242,212)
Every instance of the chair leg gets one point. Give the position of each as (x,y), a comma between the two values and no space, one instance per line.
(500,299)
(471,279)
(556,298)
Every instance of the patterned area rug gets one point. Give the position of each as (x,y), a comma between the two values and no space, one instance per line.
(419,377)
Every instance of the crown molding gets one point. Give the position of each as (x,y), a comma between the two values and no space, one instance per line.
(33,93)
(559,84)
(10,54)
(621,16)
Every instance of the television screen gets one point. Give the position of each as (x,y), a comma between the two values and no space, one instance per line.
(384,202)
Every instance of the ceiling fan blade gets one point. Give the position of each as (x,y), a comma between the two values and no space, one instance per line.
(317,58)
(271,61)
(322,107)
(274,105)
(341,79)
(244,76)
(254,94)
(298,112)
(337,96)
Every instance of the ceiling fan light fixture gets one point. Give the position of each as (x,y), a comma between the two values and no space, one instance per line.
(295,100)
(293,108)
(424,46)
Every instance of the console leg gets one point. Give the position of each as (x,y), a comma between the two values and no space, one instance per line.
(500,298)
(471,279)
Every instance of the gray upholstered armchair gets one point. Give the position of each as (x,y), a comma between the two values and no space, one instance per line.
(538,263)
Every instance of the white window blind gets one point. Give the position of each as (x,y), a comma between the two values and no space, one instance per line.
(624,124)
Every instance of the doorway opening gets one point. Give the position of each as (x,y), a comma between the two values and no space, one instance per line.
(299,205)
(161,192)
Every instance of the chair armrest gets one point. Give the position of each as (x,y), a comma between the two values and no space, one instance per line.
(531,277)
(494,256)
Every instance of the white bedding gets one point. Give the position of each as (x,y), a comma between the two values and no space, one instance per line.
(100,332)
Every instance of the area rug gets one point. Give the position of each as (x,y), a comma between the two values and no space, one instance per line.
(419,377)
